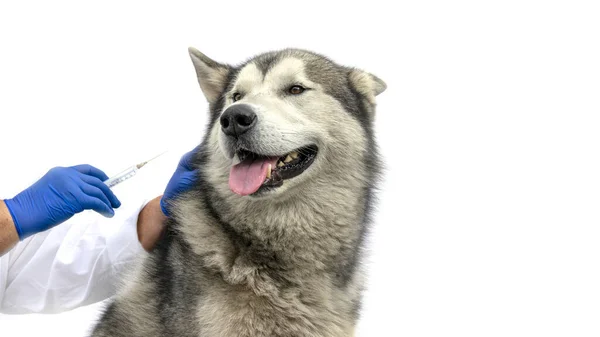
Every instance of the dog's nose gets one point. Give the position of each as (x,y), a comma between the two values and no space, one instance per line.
(237,119)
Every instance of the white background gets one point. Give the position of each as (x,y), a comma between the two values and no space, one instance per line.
(489,217)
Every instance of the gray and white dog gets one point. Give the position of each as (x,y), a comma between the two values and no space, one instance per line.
(269,242)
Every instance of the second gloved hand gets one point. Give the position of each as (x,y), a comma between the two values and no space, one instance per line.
(58,195)
(182,180)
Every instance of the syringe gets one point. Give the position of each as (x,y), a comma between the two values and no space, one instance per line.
(128,173)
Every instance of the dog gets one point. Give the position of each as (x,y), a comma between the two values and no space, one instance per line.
(270,240)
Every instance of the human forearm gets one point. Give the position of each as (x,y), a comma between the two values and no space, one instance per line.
(152,218)
(8,232)
(150,224)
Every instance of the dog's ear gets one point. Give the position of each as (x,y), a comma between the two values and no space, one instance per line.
(367,84)
(212,75)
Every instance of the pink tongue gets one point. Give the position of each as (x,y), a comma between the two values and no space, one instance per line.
(246,177)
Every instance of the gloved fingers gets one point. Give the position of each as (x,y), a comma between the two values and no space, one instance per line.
(189,177)
(114,201)
(95,192)
(91,171)
(90,202)
(186,159)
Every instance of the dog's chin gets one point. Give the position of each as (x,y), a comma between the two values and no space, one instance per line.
(278,175)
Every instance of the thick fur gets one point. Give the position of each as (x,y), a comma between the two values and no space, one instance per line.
(283,263)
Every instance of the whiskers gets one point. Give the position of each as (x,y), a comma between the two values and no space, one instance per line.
(304,151)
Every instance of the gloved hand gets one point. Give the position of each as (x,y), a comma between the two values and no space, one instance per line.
(58,195)
(182,180)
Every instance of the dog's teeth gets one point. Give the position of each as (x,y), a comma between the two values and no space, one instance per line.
(288,159)
(236,160)
(294,155)
(269,172)
(280,164)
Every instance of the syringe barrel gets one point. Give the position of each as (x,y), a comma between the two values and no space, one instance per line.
(117,179)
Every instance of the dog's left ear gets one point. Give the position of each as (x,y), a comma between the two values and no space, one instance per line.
(212,75)
(367,84)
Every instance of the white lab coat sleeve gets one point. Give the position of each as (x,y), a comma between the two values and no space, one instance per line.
(76,263)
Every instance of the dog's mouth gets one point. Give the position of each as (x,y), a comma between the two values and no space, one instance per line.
(256,172)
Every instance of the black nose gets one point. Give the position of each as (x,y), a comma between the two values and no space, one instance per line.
(237,119)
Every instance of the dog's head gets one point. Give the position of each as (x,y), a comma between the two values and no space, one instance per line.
(286,122)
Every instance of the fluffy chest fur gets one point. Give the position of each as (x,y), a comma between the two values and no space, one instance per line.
(274,279)
(315,308)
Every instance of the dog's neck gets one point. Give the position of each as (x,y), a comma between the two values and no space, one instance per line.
(320,233)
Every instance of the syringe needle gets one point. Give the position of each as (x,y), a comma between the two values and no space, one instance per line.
(140,165)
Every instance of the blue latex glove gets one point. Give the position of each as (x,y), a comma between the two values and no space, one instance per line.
(182,180)
(58,195)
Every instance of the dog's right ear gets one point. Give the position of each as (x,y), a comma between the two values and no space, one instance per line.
(212,75)
(367,84)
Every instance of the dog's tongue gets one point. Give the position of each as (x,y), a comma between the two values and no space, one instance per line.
(246,177)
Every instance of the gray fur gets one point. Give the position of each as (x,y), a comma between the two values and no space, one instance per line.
(286,262)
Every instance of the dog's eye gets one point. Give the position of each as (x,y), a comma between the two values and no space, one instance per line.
(296,90)
(236,97)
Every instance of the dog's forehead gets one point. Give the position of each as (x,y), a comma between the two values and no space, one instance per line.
(285,67)
(283,72)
